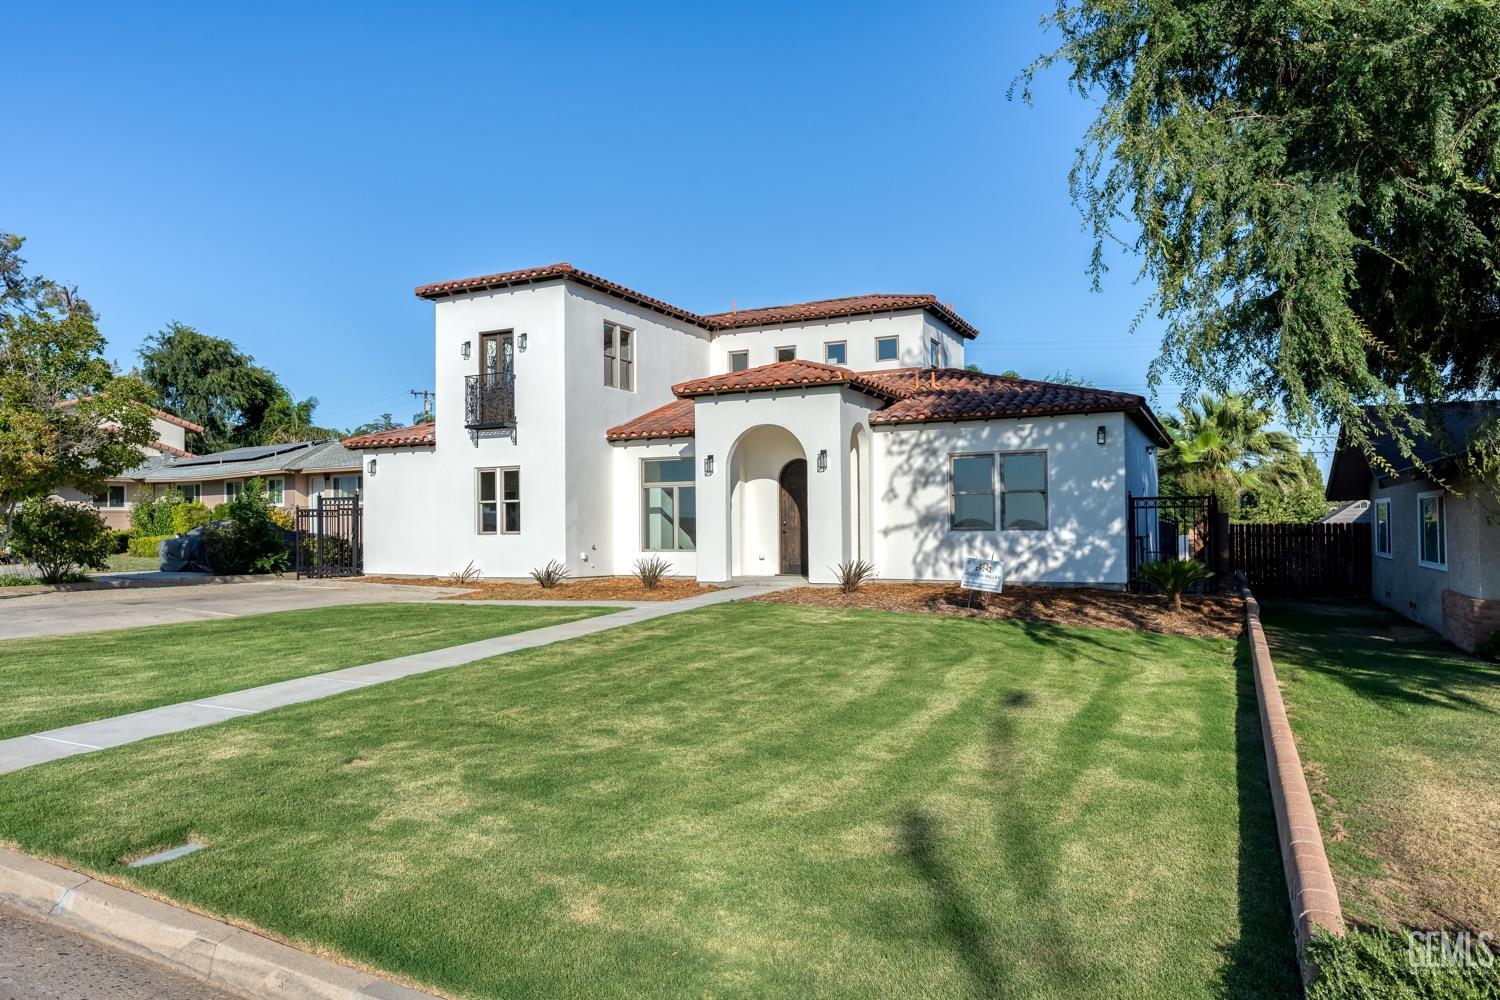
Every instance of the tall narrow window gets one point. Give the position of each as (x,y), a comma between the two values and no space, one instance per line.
(497,354)
(739,360)
(619,357)
(836,353)
(1432,531)
(1023,484)
(887,348)
(669,504)
(510,501)
(276,491)
(1383,528)
(934,354)
(971,486)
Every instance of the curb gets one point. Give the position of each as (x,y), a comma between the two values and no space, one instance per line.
(222,955)
(1309,880)
(121,582)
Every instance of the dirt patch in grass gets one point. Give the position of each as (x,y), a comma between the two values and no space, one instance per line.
(603,588)
(1213,617)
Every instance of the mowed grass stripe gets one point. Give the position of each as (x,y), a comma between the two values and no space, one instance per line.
(48,682)
(742,800)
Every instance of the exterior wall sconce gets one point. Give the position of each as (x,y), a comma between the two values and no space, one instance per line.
(372,467)
(1101,435)
(521,342)
(823,460)
(708,465)
(464,350)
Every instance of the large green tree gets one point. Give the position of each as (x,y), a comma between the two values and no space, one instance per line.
(67,418)
(1311,186)
(212,382)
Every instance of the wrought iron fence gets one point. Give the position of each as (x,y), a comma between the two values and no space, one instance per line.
(490,400)
(1184,527)
(329,539)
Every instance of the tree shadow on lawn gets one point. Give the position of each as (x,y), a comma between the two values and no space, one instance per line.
(1379,656)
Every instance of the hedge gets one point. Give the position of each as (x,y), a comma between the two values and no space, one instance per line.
(145,546)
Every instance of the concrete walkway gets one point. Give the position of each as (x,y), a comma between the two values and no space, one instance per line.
(54,744)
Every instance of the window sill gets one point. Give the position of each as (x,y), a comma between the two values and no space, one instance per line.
(1385,555)
(1440,567)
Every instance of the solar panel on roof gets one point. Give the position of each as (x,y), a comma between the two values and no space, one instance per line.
(248,454)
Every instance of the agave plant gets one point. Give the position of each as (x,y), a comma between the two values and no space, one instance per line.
(465,576)
(1173,576)
(551,574)
(650,571)
(852,574)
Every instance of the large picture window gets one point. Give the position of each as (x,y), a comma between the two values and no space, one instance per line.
(232,489)
(190,491)
(1383,528)
(498,493)
(113,497)
(669,504)
(1432,531)
(619,357)
(971,485)
(1023,484)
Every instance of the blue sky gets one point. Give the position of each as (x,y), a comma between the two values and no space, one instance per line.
(282,175)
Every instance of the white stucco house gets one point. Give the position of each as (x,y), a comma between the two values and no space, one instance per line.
(582,421)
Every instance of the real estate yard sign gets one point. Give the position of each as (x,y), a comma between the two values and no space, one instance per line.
(984,575)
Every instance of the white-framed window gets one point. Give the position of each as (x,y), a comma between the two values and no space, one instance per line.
(619,356)
(276,491)
(887,348)
(669,505)
(971,492)
(1432,530)
(836,352)
(786,354)
(1023,491)
(934,354)
(1383,528)
(498,501)
(190,491)
(232,489)
(739,360)
(342,486)
(113,497)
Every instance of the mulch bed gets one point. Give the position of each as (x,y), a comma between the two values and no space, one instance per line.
(1212,617)
(604,588)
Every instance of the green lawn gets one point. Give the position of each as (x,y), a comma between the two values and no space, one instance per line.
(742,800)
(124,562)
(1400,736)
(58,681)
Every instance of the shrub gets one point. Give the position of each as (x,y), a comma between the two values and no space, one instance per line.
(852,574)
(465,576)
(119,541)
(1377,964)
(250,541)
(188,515)
(1173,576)
(650,571)
(551,574)
(283,518)
(154,517)
(146,546)
(61,537)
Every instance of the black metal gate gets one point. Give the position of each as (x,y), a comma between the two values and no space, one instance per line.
(1175,528)
(328,541)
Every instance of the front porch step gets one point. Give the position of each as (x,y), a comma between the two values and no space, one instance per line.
(753,581)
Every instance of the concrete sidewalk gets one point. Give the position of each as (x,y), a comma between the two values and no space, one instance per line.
(54,744)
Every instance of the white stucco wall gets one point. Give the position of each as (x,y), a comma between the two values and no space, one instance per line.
(1084,542)
(913,328)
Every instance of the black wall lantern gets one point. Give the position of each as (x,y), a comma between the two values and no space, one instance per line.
(823,460)
(1101,435)
(708,465)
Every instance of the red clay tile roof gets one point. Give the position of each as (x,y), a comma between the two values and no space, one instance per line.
(399,437)
(912,395)
(785,375)
(798,312)
(170,449)
(849,305)
(673,420)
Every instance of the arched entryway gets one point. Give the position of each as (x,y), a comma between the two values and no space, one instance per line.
(793,509)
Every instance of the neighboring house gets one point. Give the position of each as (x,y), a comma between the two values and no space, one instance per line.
(170,442)
(1436,553)
(295,474)
(1351,512)
(582,421)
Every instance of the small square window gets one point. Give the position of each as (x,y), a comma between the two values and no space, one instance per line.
(739,360)
(886,348)
(836,353)
(786,354)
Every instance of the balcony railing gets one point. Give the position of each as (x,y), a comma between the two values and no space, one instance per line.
(490,401)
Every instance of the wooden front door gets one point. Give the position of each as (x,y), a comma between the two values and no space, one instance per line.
(794,518)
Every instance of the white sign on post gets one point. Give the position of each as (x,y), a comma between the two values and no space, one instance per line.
(987,575)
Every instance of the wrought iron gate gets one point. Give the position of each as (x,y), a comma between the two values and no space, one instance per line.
(328,541)
(1175,528)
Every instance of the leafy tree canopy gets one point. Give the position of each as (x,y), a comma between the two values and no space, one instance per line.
(385,423)
(66,417)
(1313,188)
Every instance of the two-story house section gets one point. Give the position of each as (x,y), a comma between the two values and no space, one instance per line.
(582,421)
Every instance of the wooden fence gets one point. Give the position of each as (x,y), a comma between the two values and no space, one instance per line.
(1302,560)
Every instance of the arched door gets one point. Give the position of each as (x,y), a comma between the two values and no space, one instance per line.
(794,518)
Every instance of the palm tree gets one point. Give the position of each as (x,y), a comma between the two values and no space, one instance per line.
(1225,445)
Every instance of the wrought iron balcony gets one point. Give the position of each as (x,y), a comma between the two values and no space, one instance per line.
(490,401)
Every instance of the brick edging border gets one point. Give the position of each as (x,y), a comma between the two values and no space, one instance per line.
(1309,880)
(222,955)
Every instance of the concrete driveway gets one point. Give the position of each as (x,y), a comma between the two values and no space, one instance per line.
(97,610)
